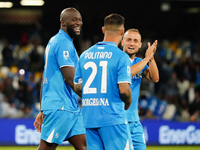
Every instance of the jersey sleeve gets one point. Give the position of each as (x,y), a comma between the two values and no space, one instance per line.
(64,55)
(124,71)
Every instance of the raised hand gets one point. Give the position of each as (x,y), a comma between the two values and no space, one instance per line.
(154,45)
(151,50)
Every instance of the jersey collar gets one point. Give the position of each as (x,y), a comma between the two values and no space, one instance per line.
(132,60)
(65,34)
(107,43)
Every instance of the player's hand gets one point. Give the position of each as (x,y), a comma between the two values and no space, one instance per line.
(151,50)
(38,121)
(153,46)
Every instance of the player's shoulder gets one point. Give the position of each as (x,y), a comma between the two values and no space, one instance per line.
(60,43)
(121,53)
(60,39)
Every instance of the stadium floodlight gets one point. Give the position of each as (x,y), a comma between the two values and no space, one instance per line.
(21,71)
(6,4)
(165,6)
(32,2)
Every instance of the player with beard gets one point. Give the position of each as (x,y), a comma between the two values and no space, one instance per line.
(103,75)
(60,118)
(131,44)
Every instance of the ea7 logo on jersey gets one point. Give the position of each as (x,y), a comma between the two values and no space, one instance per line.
(65,54)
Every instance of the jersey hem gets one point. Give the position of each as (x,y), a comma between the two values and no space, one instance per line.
(124,82)
(66,66)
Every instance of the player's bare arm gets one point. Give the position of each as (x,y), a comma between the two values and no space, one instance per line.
(135,69)
(40,117)
(68,74)
(78,89)
(125,94)
(152,72)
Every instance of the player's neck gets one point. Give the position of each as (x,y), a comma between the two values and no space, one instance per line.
(112,38)
(66,32)
(132,57)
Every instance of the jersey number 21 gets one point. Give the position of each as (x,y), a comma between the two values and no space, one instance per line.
(87,89)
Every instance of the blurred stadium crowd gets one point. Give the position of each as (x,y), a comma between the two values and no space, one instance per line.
(175,97)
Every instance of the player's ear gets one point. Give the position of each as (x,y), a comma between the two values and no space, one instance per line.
(140,44)
(122,31)
(122,42)
(103,29)
(62,22)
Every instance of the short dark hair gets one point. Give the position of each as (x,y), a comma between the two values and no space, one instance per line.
(114,20)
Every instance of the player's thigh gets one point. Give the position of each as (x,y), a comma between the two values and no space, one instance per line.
(93,139)
(116,137)
(137,135)
(78,141)
(57,125)
(77,135)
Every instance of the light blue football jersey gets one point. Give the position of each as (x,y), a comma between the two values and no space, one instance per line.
(132,112)
(56,93)
(100,69)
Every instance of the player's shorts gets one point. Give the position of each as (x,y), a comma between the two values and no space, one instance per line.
(137,135)
(115,137)
(60,125)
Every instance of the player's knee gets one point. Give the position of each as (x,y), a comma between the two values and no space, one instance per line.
(47,146)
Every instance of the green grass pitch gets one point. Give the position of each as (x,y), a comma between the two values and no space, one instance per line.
(71,148)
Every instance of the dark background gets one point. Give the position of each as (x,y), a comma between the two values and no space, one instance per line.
(147,16)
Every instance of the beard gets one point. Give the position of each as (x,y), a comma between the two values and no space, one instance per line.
(72,33)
